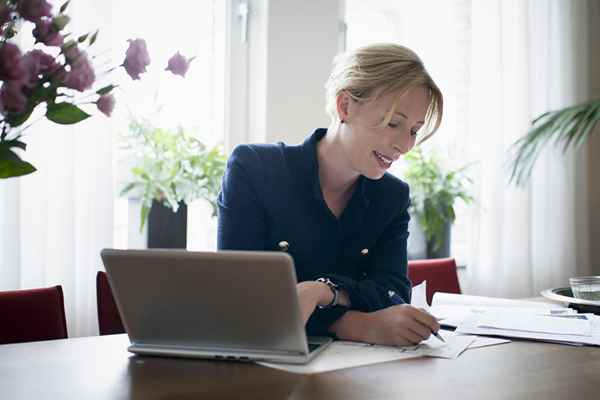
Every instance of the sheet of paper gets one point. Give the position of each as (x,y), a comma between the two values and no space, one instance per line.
(594,339)
(419,296)
(455,315)
(535,323)
(342,354)
(482,341)
(481,301)
(454,346)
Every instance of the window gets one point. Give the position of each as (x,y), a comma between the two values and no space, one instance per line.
(196,29)
(417,26)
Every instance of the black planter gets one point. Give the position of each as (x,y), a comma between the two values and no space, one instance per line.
(444,250)
(166,229)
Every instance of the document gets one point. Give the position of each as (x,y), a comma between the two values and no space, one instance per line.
(418,297)
(517,319)
(344,354)
(455,309)
(482,341)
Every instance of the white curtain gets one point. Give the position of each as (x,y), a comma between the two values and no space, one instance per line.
(526,57)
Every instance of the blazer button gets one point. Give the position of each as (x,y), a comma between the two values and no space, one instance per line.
(364,252)
(283,245)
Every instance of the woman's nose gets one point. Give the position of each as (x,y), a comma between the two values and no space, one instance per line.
(403,144)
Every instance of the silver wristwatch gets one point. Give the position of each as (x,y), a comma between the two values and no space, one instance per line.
(334,289)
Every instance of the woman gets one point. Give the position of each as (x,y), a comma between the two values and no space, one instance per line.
(331,205)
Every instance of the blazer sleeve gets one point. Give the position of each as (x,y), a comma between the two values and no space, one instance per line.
(387,269)
(242,221)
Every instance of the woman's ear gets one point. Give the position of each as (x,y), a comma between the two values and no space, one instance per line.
(342,103)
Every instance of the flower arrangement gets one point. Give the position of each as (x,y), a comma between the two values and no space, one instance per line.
(54,76)
(171,166)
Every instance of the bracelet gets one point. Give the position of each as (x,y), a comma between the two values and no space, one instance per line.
(334,289)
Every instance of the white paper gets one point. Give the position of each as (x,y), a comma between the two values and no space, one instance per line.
(455,315)
(447,299)
(534,323)
(419,296)
(482,341)
(593,339)
(342,354)
(454,346)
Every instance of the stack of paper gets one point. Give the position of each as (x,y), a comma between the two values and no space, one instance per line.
(517,319)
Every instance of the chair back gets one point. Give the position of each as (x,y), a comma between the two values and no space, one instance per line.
(440,274)
(32,314)
(109,320)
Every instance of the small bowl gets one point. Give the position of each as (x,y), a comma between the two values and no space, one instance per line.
(586,287)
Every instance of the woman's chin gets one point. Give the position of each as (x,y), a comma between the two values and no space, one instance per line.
(374,174)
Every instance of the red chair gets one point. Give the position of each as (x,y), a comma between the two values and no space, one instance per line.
(32,314)
(109,320)
(440,274)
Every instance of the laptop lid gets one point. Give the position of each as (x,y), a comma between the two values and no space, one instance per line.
(216,302)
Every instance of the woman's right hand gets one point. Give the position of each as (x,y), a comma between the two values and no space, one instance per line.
(399,325)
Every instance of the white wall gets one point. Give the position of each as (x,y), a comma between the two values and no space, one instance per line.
(282,69)
(295,79)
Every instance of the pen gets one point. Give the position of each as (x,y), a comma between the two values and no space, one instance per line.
(395,299)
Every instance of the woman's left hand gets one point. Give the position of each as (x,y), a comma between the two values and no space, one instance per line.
(310,294)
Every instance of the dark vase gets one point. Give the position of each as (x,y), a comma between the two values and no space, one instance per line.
(444,250)
(166,229)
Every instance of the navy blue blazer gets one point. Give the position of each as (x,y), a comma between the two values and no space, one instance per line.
(271,193)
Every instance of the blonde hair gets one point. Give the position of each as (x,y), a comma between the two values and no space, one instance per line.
(371,71)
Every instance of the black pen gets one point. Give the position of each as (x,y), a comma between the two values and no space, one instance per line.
(395,299)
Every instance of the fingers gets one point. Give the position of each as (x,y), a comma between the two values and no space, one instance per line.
(424,318)
(410,337)
(419,329)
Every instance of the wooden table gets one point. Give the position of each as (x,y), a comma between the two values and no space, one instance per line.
(101,368)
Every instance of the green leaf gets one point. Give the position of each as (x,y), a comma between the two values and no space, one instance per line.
(127,188)
(65,113)
(63,8)
(18,119)
(106,89)
(144,216)
(94,37)
(11,165)
(82,38)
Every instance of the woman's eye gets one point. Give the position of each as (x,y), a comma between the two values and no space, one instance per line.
(393,125)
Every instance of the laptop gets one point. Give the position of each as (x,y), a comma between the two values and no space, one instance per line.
(226,305)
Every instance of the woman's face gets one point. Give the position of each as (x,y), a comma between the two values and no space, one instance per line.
(371,148)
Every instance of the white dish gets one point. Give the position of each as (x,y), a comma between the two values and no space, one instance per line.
(565,295)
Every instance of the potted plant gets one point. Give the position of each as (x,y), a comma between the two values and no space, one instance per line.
(570,126)
(171,168)
(433,193)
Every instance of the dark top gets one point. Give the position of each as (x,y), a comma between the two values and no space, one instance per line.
(272,193)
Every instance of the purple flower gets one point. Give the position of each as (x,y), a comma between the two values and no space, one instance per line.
(11,65)
(37,62)
(106,104)
(4,14)
(178,64)
(81,75)
(71,52)
(12,97)
(46,33)
(33,10)
(136,58)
